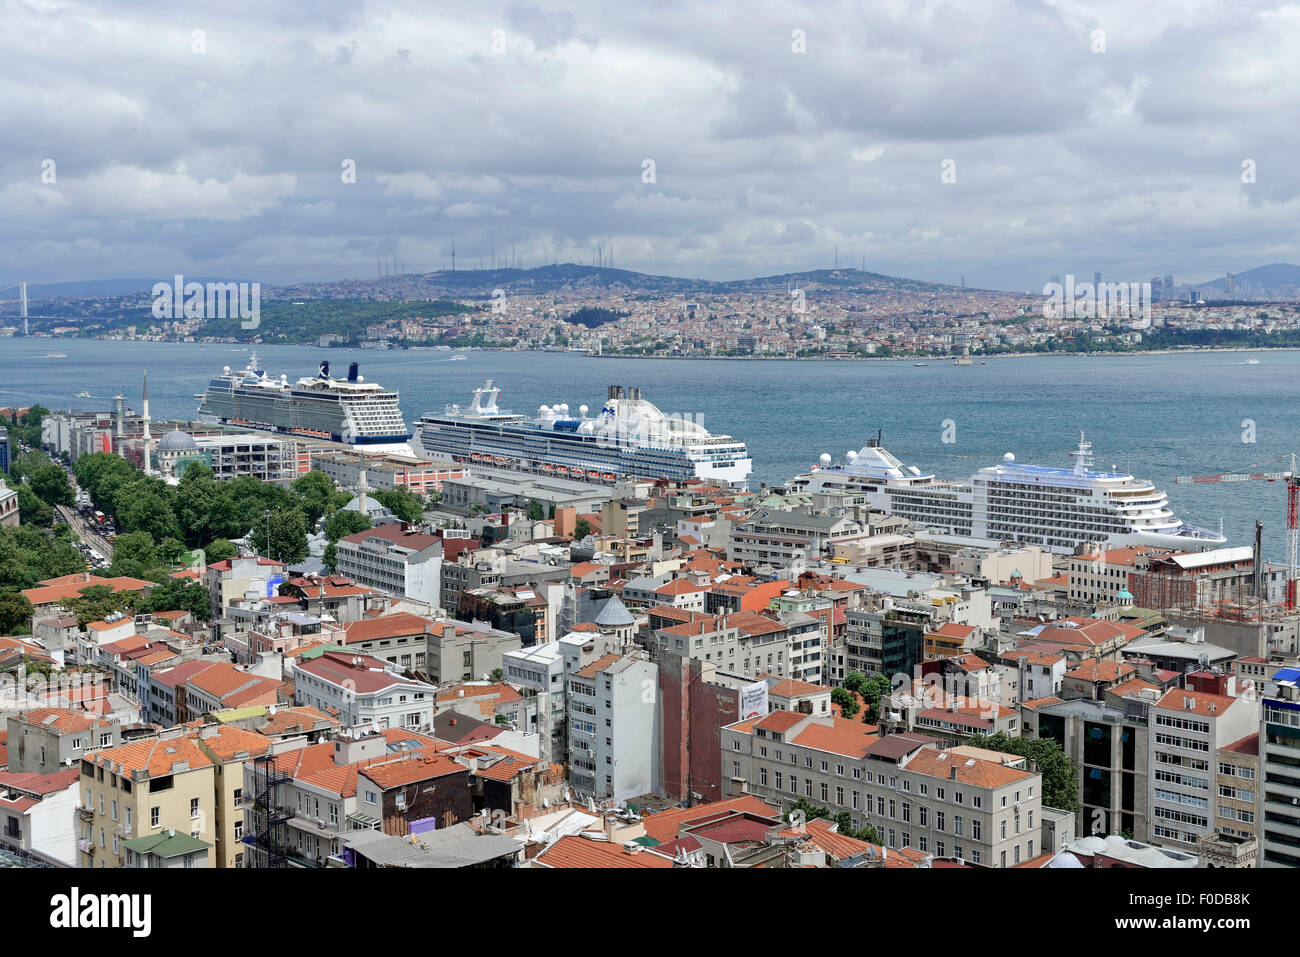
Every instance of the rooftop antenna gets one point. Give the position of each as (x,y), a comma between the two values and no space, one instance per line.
(453,254)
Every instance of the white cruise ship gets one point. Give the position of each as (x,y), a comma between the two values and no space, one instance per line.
(1057,508)
(350,411)
(630,436)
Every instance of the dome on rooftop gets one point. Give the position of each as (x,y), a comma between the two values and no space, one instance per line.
(177,441)
(615,614)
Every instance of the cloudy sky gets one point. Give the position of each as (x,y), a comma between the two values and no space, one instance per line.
(1077,137)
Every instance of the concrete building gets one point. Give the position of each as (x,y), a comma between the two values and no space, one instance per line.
(977,806)
(1111,748)
(1188,727)
(143,789)
(539,669)
(386,471)
(49,740)
(395,560)
(38,814)
(229,748)
(242,577)
(1277,793)
(167,850)
(613,727)
(365,691)
(462,651)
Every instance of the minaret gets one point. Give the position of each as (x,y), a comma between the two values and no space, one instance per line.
(362,488)
(145,423)
(121,424)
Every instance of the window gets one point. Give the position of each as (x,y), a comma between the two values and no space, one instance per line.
(155,816)
(925,844)
(938,820)
(925,815)
(839,796)
(976,828)
(194,807)
(907,812)
(825,791)
(1004,830)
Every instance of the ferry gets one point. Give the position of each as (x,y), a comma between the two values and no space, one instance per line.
(349,411)
(629,436)
(1056,508)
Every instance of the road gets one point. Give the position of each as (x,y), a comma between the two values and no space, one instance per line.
(86,533)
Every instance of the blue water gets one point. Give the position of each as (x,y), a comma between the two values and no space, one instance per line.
(1155,416)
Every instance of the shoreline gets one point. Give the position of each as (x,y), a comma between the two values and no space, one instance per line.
(975,358)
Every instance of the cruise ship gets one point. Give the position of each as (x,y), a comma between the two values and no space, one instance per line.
(350,411)
(1056,508)
(629,436)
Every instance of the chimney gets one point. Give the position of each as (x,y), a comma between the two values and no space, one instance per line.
(953,772)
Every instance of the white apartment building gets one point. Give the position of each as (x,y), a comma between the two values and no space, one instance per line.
(399,562)
(540,669)
(1188,728)
(365,691)
(613,727)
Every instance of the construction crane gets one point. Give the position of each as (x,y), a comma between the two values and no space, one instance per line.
(1292,479)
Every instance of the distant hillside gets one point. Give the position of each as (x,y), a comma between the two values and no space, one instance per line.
(1274,276)
(569,277)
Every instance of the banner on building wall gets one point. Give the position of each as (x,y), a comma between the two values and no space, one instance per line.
(753,700)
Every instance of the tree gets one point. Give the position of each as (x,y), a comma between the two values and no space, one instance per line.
(496,674)
(804,810)
(29,555)
(219,549)
(1060,773)
(179,594)
(535,510)
(97,602)
(170,551)
(316,492)
(51,485)
(581,529)
(344,523)
(94,472)
(403,503)
(133,554)
(286,531)
(15,612)
(144,505)
(200,503)
(31,510)
(847,701)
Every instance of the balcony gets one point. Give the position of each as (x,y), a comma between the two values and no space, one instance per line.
(86,814)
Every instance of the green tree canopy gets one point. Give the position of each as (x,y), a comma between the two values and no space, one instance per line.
(316,494)
(29,555)
(15,612)
(581,529)
(219,549)
(178,594)
(97,602)
(134,553)
(31,510)
(287,535)
(1060,773)
(403,503)
(848,704)
(51,485)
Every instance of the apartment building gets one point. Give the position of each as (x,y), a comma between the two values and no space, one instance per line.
(968,803)
(613,727)
(540,670)
(50,740)
(142,789)
(1237,782)
(364,691)
(401,639)
(38,813)
(1188,727)
(1277,795)
(462,651)
(229,748)
(237,578)
(1111,748)
(395,560)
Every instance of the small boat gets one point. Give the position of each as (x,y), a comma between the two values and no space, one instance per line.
(983,363)
(56,355)
(83,395)
(1252,362)
(918,363)
(456,359)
